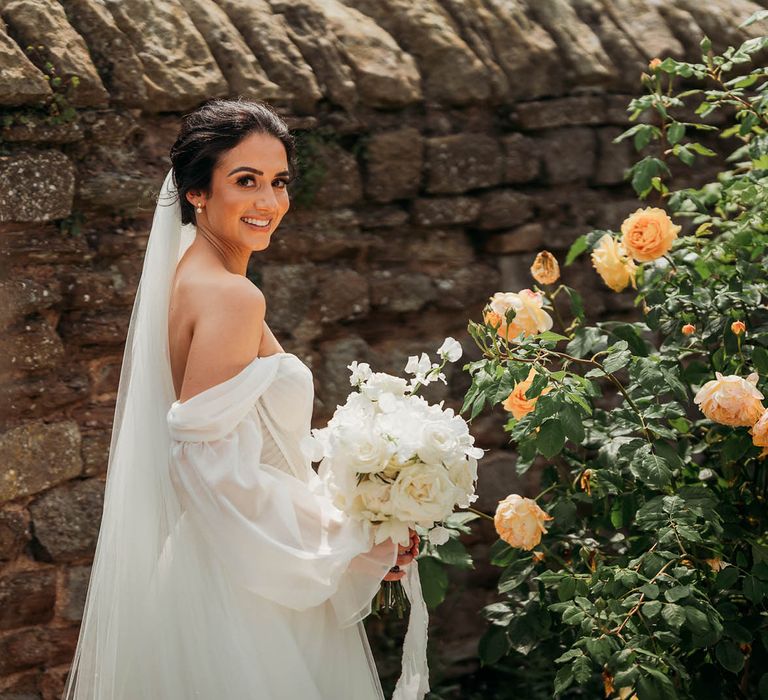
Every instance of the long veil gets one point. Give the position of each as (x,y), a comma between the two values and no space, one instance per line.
(141,507)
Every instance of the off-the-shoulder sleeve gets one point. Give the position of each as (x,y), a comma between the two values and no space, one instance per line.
(278,535)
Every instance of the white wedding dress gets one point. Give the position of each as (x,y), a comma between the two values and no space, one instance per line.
(279,579)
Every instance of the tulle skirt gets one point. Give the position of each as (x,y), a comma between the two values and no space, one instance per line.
(210,639)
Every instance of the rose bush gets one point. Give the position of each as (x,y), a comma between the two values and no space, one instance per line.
(650,579)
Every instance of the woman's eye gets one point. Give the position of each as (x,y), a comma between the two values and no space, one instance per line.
(242,179)
(282,184)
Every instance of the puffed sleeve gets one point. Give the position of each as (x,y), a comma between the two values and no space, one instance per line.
(275,533)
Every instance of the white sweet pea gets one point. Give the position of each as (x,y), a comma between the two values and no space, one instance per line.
(361,371)
(420,367)
(450,349)
(439,535)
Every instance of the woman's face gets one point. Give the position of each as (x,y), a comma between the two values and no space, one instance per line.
(248,195)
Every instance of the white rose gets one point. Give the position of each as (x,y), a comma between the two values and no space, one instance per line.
(363,447)
(439,441)
(372,499)
(422,493)
(463,473)
(383,383)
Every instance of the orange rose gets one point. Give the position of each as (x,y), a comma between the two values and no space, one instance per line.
(759,433)
(688,329)
(731,400)
(654,64)
(612,263)
(530,318)
(648,234)
(738,327)
(545,269)
(516,401)
(520,522)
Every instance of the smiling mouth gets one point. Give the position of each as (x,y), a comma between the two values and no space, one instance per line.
(258,224)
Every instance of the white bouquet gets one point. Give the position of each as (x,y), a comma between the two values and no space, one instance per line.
(391,458)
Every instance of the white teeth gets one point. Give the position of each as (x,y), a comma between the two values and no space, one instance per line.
(257,222)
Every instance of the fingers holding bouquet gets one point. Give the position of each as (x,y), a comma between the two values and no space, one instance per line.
(406,554)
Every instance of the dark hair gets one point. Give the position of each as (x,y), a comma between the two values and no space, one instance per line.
(213,129)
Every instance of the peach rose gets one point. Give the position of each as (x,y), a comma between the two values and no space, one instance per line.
(654,64)
(613,264)
(520,522)
(688,329)
(760,434)
(731,400)
(530,318)
(648,234)
(516,402)
(738,327)
(545,269)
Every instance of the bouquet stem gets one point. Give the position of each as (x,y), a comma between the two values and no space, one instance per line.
(391,596)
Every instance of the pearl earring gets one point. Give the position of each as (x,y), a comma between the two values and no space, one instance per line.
(199,207)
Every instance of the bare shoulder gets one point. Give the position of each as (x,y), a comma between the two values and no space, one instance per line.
(227,316)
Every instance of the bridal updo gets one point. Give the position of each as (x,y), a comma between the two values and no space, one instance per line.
(210,131)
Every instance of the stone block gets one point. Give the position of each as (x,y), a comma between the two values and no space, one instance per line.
(393,164)
(35,186)
(568,154)
(27,597)
(501,209)
(38,456)
(66,519)
(445,211)
(463,162)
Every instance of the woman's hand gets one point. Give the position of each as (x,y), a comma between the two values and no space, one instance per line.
(405,556)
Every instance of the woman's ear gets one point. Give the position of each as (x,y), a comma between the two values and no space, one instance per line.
(194,197)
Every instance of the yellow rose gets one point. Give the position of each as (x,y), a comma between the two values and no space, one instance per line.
(731,400)
(760,434)
(530,318)
(516,402)
(612,263)
(545,269)
(520,522)
(648,234)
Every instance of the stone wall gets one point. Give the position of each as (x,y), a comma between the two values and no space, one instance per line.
(444,142)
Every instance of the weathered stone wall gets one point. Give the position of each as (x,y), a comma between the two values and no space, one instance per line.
(446,142)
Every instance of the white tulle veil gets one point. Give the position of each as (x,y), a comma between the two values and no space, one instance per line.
(140,504)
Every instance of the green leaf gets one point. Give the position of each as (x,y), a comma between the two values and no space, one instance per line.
(616,360)
(563,679)
(551,437)
(696,620)
(650,468)
(434,580)
(571,421)
(729,656)
(493,645)
(515,574)
(726,578)
(454,553)
(673,615)
(675,132)
(576,249)
(673,595)
(651,590)
(652,608)
(582,669)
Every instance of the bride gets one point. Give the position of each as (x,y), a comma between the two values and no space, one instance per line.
(222,569)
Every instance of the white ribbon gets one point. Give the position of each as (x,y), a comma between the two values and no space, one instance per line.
(413,683)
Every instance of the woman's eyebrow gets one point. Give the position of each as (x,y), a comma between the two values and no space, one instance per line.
(253,170)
